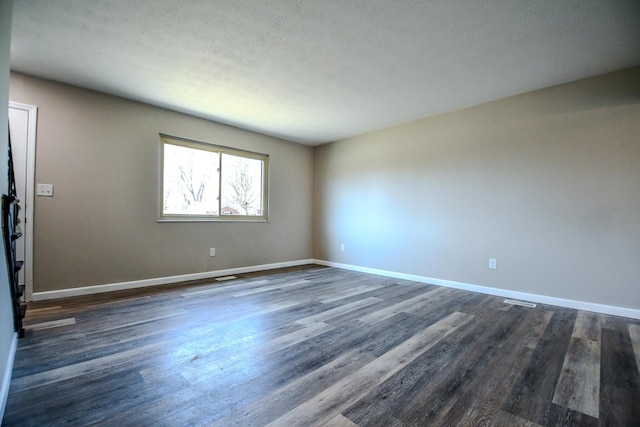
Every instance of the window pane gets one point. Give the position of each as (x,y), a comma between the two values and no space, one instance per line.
(241,185)
(191,182)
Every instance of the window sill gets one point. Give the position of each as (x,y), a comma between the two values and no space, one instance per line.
(212,219)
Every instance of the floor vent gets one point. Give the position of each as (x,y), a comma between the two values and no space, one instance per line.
(522,303)
(222,279)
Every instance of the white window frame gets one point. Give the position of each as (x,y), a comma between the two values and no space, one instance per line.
(220,217)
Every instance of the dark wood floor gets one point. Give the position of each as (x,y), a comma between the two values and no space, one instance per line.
(321,346)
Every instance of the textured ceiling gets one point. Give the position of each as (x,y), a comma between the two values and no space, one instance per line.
(314,71)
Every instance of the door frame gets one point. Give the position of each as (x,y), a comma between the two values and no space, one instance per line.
(28,205)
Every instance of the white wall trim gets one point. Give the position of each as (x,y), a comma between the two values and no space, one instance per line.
(96,289)
(6,379)
(30,174)
(542,299)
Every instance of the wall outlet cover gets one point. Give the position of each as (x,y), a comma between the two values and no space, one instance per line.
(45,190)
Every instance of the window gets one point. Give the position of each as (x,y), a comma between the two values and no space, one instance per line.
(205,182)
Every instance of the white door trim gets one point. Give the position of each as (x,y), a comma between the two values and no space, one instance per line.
(28,204)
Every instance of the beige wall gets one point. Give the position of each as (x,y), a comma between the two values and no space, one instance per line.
(101,153)
(547,182)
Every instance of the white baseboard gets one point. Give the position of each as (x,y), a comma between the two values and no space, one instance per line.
(542,299)
(6,379)
(96,289)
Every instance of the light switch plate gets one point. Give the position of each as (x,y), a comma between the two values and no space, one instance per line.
(45,190)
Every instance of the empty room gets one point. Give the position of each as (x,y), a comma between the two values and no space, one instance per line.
(320,213)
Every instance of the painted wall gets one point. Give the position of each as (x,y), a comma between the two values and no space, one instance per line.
(101,153)
(546,182)
(7,334)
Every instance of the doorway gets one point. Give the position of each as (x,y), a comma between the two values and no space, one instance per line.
(22,125)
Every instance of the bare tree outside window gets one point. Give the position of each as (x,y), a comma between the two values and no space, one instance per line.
(190,180)
(243,184)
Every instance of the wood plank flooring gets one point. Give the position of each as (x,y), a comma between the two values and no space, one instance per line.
(316,346)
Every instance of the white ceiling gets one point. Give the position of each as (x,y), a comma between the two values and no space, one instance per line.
(314,71)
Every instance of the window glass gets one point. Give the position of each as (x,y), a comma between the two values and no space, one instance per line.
(241,185)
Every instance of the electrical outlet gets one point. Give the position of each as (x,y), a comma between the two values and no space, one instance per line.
(342,247)
(45,190)
(212,251)
(493,263)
